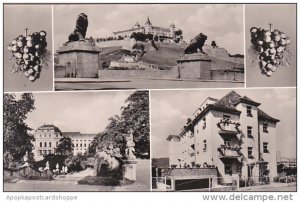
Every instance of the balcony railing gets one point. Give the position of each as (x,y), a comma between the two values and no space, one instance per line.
(228,127)
(229,151)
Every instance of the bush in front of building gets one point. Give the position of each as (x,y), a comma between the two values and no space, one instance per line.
(95,180)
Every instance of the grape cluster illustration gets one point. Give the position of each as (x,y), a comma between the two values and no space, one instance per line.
(28,51)
(271,47)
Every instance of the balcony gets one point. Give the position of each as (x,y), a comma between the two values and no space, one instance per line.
(229,151)
(228,127)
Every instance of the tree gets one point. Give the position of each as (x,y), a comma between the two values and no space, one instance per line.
(178,32)
(65,146)
(213,44)
(16,140)
(134,119)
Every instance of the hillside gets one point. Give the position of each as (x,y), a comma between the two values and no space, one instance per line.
(167,54)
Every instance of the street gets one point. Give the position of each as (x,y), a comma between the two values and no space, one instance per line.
(110,84)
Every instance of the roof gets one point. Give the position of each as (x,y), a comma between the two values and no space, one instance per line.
(185,172)
(228,104)
(69,134)
(171,136)
(56,129)
(148,21)
(161,28)
(264,116)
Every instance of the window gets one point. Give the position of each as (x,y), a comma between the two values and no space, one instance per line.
(84,145)
(41,152)
(56,143)
(250,153)
(76,145)
(265,127)
(265,147)
(249,111)
(45,144)
(41,144)
(49,144)
(80,145)
(49,151)
(45,152)
(204,123)
(227,141)
(56,135)
(204,146)
(228,169)
(249,132)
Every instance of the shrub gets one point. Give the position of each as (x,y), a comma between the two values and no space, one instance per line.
(94,180)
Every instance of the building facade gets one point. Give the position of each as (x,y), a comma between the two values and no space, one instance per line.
(231,134)
(148,28)
(47,138)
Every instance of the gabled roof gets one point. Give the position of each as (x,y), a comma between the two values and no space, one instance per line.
(171,136)
(264,116)
(228,104)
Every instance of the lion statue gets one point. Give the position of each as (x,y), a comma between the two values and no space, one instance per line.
(80,30)
(196,44)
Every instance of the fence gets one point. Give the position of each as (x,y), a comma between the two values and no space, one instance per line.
(229,183)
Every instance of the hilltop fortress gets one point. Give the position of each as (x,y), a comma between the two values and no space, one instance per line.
(148,28)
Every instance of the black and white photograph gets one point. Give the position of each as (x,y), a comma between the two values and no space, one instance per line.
(27,52)
(224,140)
(89,141)
(271,45)
(150,97)
(148,46)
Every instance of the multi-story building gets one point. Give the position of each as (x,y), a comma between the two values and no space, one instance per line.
(47,138)
(148,28)
(231,134)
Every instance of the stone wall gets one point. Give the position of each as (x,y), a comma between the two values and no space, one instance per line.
(60,71)
(168,74)
(227,75)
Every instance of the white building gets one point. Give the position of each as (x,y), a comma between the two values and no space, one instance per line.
(47,138)
(148,28)
(231,134)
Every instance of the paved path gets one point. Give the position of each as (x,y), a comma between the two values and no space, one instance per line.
(69,182)
(109,84)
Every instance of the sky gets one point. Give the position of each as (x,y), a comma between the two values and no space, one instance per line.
(222,23)
(85,112)
(171,109)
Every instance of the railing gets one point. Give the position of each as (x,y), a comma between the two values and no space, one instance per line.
(228,126)
(236,183)
(229,151)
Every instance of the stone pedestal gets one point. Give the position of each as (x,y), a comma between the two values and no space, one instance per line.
(80,59)
(195,66)
(129,170)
